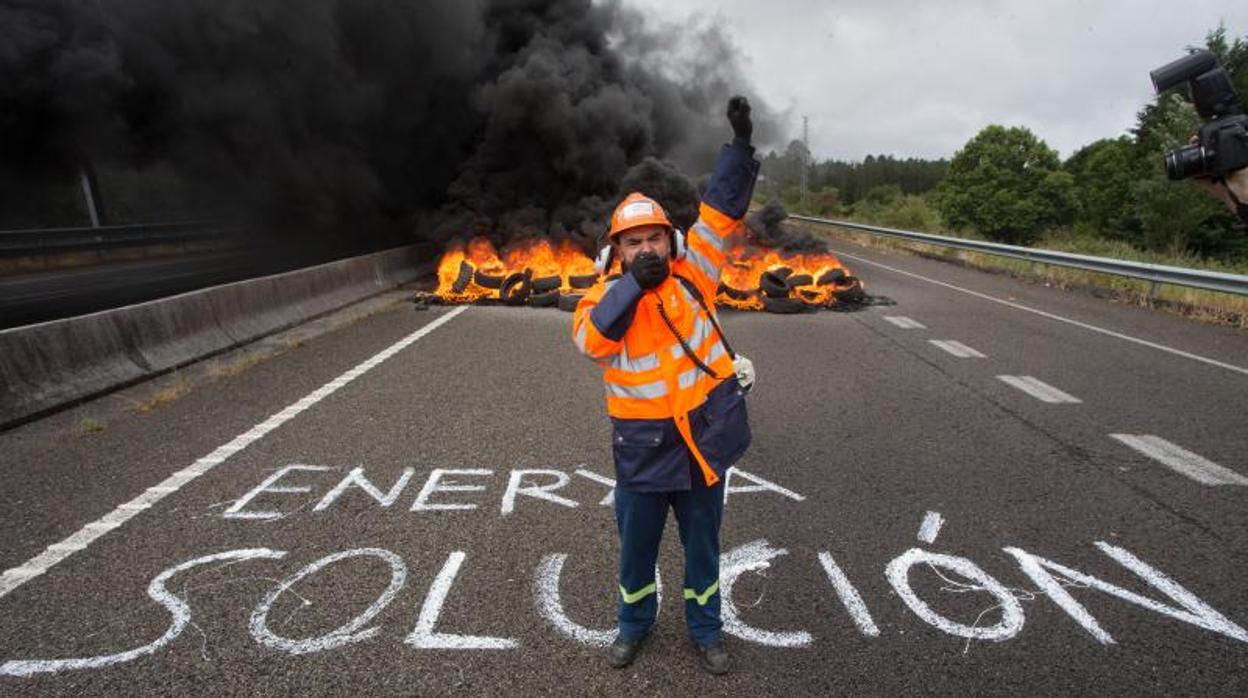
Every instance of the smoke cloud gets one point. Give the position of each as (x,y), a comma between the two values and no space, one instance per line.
(372,117)
(766,227)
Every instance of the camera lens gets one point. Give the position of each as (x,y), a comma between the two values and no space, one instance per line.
(1188,161)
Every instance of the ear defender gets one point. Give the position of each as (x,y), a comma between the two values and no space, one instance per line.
(602,262)
(678,244)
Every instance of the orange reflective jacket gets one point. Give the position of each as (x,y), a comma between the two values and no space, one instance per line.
(647,374)
(652,383)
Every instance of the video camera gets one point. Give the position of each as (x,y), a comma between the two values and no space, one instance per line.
(1222,144)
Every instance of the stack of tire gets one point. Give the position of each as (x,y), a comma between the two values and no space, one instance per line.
(567,301)
(522,288)
(786,293)
(849,288)
(852,292)
(735,294)
(781,290)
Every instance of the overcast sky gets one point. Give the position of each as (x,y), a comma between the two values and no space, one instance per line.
(921,78)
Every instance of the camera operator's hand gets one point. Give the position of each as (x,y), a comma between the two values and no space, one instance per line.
(648,269)
(739,117)
(1235,183)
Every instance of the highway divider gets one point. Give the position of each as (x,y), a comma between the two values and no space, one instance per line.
(51,365)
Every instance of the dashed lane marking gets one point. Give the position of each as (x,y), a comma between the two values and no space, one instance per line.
(1040,390)
(1018,306)
(1181,460)
(904,322)
(57,552)
(957,348)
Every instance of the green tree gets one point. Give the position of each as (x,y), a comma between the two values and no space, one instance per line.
(883,194)
(1006,184)
(1176,216)
(1233,55)
(854,179)
(1105,173)
(785,170)
(824,202)
(1163,125)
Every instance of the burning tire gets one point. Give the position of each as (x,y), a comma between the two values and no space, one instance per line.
(774,284)
(546,284)
(853,294)
(784,306)
(568,301)
(832,276)
(583,281)
(515,289)
(735,293)
(464,278)
(488,280)
(799,280)
(544,300)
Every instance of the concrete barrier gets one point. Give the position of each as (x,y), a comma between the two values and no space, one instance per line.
(50,365)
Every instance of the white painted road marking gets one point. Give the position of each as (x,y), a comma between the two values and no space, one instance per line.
(546,596)
(904,322)
(351,632)
(1018,306)
(1039,390)
(849,596)
(930,528)
(57,552)
(1056,581)
(1181,460)
(158,590)
(1012,617)
(957,348)
(760,485)
(1189,609)
(755,556)
(425,634)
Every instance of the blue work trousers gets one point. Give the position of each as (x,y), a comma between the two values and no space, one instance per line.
(640,517)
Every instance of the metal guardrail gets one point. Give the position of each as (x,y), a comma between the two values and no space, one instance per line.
(1156,273)
(52,240)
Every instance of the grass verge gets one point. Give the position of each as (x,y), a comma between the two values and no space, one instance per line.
(171,389)
(89,425)
(1205,306)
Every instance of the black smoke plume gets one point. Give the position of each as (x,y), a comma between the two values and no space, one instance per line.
(370,118)
(767,228)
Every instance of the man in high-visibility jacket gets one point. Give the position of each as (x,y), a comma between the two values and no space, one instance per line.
(677,409)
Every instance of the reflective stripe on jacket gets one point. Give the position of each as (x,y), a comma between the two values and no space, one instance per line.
(654,390)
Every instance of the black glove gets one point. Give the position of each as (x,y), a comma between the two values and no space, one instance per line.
(648,269)
(739,117)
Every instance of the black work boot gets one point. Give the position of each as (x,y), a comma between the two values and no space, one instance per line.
(714,658)
(622,652)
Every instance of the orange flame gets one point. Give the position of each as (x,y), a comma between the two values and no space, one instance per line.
(474,271)
(742,281)
(536,257)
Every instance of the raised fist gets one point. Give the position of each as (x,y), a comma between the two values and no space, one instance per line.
(739,117)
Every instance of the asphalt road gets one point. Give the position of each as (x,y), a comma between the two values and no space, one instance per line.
(907,520)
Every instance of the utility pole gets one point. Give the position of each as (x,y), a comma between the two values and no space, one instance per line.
(805,156)
(91,194)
